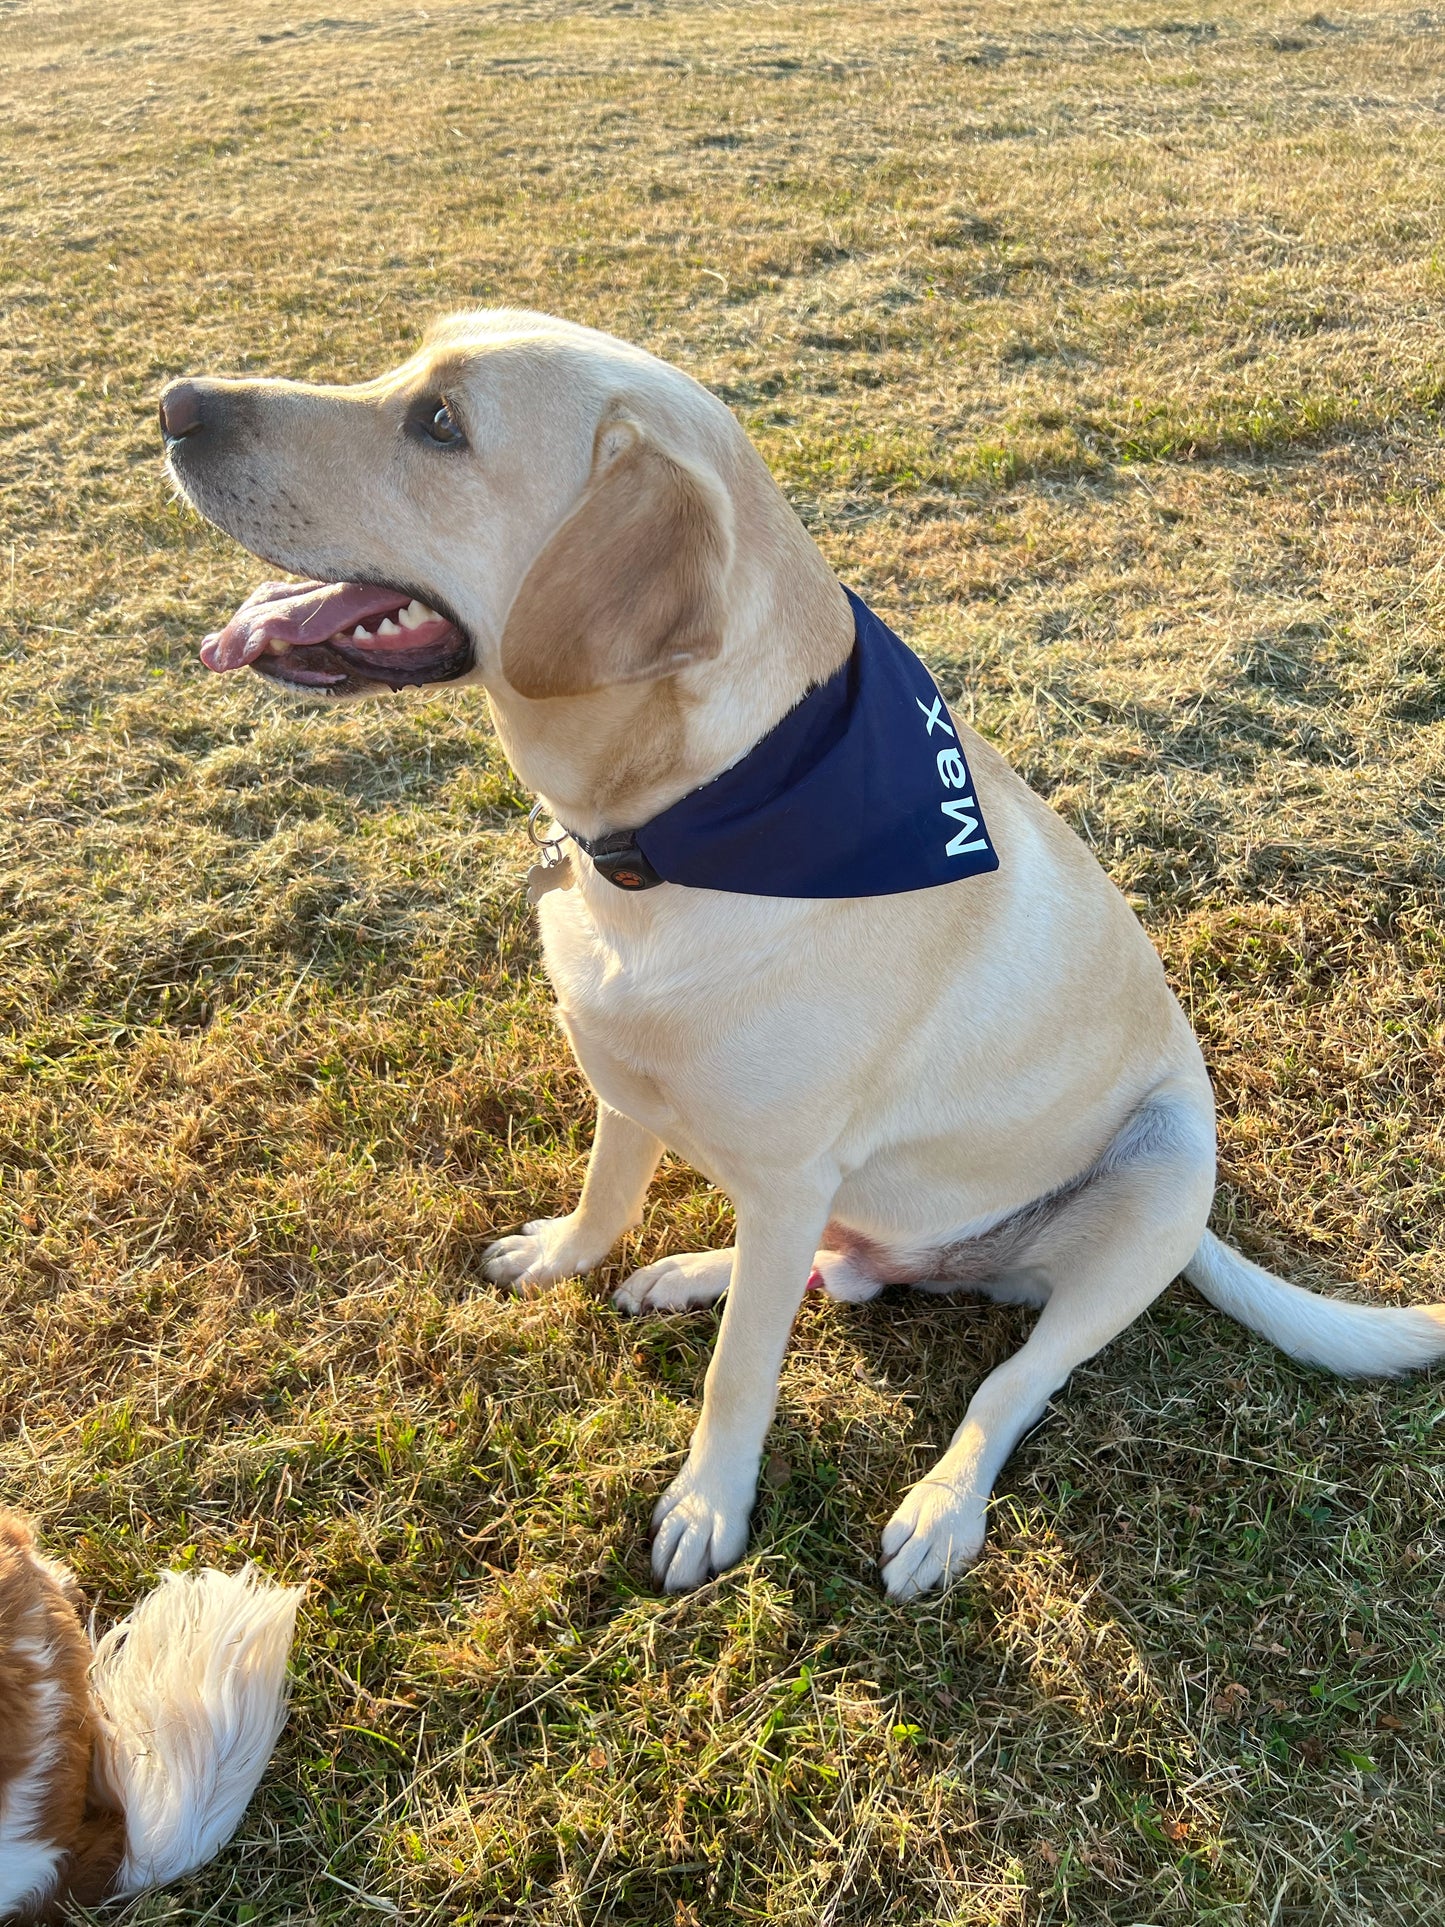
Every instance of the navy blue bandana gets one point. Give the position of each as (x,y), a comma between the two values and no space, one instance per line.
(861,791)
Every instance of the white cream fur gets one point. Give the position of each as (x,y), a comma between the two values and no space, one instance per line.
(192,1692)
(914,1067)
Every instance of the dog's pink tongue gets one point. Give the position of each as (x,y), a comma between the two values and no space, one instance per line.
(295,612)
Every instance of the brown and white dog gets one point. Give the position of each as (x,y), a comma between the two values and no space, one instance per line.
(128,1765)
(986,1085)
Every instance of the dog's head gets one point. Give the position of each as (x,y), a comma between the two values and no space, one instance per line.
(525,503)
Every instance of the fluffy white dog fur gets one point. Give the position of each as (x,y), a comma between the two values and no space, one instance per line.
(127,1767)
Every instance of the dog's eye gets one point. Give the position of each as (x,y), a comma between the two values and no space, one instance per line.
(443,427)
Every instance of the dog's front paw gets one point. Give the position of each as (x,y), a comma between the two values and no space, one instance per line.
(679,1283)
(933,1537)
(539,1254)
(700,1527)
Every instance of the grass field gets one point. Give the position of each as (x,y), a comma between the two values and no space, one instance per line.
(1099,345)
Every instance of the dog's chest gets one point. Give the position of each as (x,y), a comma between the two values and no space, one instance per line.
(622,1008)
(667,1028)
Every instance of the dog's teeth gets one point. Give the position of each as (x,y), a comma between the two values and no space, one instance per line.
(278,645)
(388,628)
(359,634)
(413,615)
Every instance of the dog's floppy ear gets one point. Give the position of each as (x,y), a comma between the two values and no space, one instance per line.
(629,587)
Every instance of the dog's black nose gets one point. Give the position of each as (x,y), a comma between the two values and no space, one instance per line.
(181,411)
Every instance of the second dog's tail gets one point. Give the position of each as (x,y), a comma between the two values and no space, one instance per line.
(1358,1341)
(190,1697)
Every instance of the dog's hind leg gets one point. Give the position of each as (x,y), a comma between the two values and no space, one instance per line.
(689,1279)
(683,1282)
(624,1157)
(1107,1253)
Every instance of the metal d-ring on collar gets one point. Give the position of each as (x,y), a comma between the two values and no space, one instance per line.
(616,855)
(550,846)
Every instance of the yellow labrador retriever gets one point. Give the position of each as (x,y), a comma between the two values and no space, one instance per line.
(982,1084)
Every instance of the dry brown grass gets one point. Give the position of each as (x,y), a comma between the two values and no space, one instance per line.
(1099,347)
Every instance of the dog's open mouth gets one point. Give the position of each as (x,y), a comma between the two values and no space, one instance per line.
(334,635)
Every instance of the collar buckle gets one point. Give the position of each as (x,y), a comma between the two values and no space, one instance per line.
(618,858)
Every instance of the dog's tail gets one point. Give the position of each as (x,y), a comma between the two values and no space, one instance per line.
(1358,1341)
(190,1697)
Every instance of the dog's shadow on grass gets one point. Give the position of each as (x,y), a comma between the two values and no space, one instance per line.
(871,1395)
(1171,1551)
(1029,1646)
